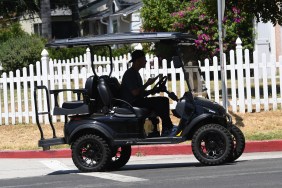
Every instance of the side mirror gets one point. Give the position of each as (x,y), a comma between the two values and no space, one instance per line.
(177,62)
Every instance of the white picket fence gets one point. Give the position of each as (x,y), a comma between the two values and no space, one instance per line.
(252,86)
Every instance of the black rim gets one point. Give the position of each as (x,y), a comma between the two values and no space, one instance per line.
(90,153)
(212,145)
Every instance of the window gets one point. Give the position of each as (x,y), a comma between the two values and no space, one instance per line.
(115,26)
(37,29)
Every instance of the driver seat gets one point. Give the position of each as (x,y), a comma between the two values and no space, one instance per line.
(110,105)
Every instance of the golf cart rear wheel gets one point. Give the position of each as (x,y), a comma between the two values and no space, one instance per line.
(212,144)
(239,143)
(90,153)
(121,155)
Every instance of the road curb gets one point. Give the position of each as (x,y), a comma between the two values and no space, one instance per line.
(171,149)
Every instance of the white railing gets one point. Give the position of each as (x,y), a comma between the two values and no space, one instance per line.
(252,86)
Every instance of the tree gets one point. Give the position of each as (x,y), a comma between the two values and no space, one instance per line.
(262,10)
(156,14)
(12,9)
(45,12)
(198,18)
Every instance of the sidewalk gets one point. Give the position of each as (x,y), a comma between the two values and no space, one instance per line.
(172,149)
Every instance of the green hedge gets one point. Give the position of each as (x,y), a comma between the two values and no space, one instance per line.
(20,51)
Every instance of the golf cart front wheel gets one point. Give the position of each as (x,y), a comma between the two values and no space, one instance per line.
(212,144)
(90,153)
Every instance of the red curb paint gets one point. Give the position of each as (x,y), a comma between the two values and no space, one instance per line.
(65,153)
(171,149)
(263,146)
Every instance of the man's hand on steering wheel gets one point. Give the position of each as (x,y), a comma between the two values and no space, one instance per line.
(150,81)
(160,86)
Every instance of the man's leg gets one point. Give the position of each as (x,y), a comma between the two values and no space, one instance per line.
(160,105)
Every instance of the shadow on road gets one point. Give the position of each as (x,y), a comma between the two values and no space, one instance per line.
(146,167)
(170,165)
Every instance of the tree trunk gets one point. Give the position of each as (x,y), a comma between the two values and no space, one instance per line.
(46,19)
(75,19)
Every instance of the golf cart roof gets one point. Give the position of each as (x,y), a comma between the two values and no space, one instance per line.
(122,38)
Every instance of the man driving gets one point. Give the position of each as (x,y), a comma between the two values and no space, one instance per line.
(134,91)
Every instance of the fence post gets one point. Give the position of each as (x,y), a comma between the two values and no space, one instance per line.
(241,86)
(216,81)
(280,75)
(233,81)
(207,78)
(12,97)
(265,82)
(273,82)
(248,81)
(44,68)
(5,97)
(256,81)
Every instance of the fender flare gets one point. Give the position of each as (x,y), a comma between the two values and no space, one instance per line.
(210,118)
(96,127)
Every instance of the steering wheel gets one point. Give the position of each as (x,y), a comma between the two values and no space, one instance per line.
(161,85)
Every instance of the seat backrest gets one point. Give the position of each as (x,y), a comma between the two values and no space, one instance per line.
(102,89)
(92,92)
(91,85)
(105,93)
(113,84)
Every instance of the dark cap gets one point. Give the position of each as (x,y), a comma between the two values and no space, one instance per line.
(137,54)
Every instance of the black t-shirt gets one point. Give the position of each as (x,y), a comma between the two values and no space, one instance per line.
(131,80)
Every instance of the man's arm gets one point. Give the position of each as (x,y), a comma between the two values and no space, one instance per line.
(142,90)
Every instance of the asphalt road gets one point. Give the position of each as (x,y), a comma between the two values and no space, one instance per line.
(251,170)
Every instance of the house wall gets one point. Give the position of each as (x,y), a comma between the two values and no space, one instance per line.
(125,24)
(27,23)
(136,23)
(278,41)
(265,40)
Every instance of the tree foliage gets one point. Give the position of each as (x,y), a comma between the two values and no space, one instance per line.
(198,18)
(157,14)
(262,10)
(12,9)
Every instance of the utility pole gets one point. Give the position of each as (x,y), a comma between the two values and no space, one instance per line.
(220,12)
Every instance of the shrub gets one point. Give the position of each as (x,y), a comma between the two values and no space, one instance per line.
(20,51)
(65,53)
(68,53)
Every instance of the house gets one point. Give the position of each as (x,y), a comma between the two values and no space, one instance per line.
(111,16)
(96,17)
(268,40)
(61,23)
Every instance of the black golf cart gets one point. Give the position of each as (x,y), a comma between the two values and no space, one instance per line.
(101,128)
